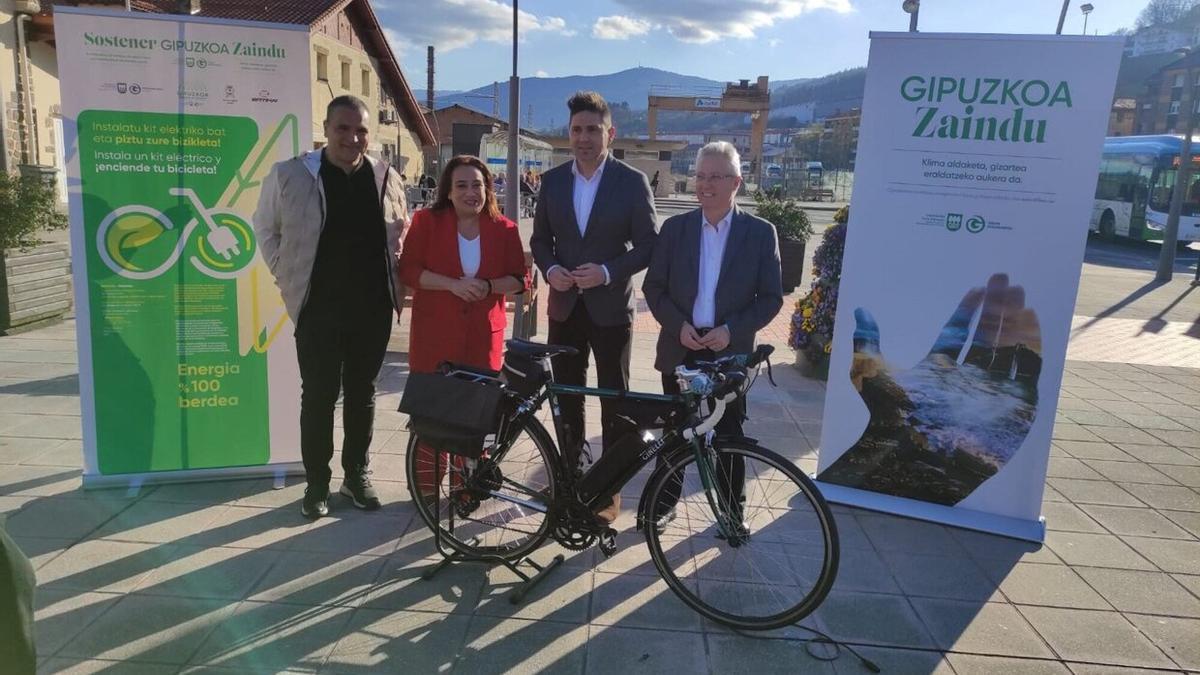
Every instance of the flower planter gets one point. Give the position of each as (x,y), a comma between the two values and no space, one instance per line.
(791,262)
(35,287)
(818,370)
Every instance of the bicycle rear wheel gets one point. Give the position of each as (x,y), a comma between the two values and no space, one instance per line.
(492,506)
(782,557)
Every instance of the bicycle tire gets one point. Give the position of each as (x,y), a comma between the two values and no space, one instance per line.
(496,527)
(706,571)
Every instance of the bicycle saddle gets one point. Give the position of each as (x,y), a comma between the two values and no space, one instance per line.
(537,350)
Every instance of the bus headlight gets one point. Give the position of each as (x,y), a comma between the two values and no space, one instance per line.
(1153,225)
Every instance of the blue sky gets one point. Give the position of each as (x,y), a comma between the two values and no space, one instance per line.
(716,39)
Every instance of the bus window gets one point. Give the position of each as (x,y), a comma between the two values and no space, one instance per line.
(1160,196)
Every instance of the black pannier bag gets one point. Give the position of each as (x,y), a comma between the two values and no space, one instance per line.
(523,374)
(451,414)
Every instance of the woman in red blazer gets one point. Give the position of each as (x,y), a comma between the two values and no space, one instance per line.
(461,257)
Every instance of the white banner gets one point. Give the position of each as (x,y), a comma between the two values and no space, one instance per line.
(187,362)
(975,174)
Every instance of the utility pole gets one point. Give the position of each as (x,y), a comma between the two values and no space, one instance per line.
(512,182)
(1166,257)
(1062,17)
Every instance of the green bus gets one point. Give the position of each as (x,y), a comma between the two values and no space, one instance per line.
(1133,194)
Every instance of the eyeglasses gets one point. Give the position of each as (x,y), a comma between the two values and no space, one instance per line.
(704,178)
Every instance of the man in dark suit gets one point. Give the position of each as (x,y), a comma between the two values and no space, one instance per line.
(593,229)
(713,283)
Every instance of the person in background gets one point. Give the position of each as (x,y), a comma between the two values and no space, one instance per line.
(654,184)
(329,224)
(714,281)
(461,257)
(593,229)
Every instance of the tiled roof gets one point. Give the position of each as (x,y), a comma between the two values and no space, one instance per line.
(305,12)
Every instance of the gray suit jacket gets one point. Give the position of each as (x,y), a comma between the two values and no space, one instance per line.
(620,235)
(749,289)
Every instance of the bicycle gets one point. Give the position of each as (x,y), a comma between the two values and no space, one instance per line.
(754,551)
(223,248)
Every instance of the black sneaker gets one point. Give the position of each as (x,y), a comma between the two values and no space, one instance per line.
(357,486)
(316,503)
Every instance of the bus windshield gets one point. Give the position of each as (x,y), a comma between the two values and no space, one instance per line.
(1160,195)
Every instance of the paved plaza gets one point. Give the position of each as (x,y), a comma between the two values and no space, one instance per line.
(227,576)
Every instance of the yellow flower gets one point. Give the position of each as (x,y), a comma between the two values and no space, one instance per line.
(808,312)
(828,347)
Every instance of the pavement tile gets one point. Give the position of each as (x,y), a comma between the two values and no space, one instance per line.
(926,662)
(496,645)
(1175,636)
(744,654)
(1135,521)
(1171,555)
(62,517)
(564,595)
(1122,407)
(158,522)
(350,531)
(873,618)
(1101,418)
(41,551)
(17,449)
(66,454)
(1142,592)
(455,589)
(1093,450)
(622,651)
(1165,497)
(863,570)
(1067,431)
(988,628)
(1154,421)
(1049,586)
(149,628)
(1127,434)
(996,552)
(1184,475)
(1069,467)
(1158,453)
(1189,581)
(99,565)
(1068,517)
(1092,492)
(249,527)
(201,572)
(385,641)
(301,578)
(975,664)
(1099,637)
(1097,669)
(939,576)
(639,602)
(62,666)
(264,635)
(61,615)
(1180,439)
(209,492)
(1188,520)
(892,533)
(1096,550)
(1129,472)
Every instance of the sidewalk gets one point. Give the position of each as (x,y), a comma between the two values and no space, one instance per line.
(227,577)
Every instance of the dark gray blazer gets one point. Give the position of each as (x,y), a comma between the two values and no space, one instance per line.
(620,234)
(749,289)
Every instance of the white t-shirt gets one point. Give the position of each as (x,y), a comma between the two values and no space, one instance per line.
(468,254)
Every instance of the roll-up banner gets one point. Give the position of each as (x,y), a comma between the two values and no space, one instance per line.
(187,365)
(975,174)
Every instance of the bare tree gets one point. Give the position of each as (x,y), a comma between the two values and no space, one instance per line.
(1159,12)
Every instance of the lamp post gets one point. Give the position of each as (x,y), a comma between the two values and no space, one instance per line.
(512,184)
(913,8)
(1166,257)
(1086,8)
(1062,16)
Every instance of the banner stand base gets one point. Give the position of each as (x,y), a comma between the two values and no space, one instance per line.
(134,481)
(1005,526)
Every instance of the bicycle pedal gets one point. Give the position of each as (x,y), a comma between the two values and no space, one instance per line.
(607,542)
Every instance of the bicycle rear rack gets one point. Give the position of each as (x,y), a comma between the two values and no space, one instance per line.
(528,581)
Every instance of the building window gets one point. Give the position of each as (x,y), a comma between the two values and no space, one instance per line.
(346,75)
(1178,82)
(1174,109)
(322,67)
(366,82)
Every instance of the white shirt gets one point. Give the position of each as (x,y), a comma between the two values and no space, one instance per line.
(468,255)
(585,193)
(712,249)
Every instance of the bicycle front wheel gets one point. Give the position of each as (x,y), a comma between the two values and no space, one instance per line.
(497,505)
(777,556)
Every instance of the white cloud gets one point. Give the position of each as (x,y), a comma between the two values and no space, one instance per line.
(619,27)
(701,21)
(541,73)
(453,24)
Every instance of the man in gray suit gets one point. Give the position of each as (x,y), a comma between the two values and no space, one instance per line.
(593,229)
(713,283)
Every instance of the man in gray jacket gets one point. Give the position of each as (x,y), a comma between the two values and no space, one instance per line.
(713,283)
(329,225)
(593,230)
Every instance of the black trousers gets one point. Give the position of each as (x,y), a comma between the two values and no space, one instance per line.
(731,469)
(339,354)
(611,346)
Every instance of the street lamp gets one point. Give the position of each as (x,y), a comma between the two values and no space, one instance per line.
(913,8)
(1086,8)
(1166,257)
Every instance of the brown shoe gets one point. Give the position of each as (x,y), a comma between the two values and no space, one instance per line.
(609,513)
